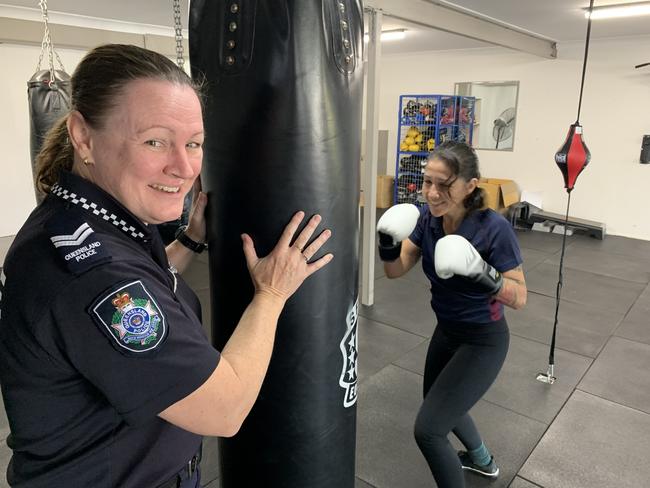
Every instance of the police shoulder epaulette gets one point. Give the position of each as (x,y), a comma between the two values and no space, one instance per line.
(77,243)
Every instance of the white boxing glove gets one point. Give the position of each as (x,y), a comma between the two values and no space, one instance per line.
(393,227)
(455,255)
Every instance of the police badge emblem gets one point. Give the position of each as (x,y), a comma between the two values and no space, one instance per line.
(132,318)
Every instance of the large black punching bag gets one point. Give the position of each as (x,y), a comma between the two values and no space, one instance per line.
(283,127)
(49,99)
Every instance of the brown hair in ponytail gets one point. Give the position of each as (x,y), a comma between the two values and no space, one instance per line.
(55,156)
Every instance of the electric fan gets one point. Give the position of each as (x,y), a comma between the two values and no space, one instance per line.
(503,126)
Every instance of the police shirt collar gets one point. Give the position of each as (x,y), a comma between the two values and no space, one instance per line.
(466,229)
(92,199)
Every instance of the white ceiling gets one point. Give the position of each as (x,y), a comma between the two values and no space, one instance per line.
(560,20)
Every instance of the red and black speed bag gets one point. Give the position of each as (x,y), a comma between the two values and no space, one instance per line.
(573,156)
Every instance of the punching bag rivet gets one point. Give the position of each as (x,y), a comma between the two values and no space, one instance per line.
(230,44)
(342,7)
(348,59)
(232,27)
(230,60)
(234,8)
(346,43)
(344,25)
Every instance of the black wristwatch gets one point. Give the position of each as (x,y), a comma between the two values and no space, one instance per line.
(191,244)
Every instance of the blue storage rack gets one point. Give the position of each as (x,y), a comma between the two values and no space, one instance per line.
(436,119)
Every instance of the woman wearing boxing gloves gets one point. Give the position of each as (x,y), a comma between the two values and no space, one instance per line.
(472,258)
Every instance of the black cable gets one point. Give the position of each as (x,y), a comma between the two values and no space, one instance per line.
(584,63)
(558,290)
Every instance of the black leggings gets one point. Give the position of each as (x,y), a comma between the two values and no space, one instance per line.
(462,363)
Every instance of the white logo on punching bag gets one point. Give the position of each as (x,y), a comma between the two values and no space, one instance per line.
(349,349)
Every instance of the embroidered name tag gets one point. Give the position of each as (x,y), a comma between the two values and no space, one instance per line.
(131,317)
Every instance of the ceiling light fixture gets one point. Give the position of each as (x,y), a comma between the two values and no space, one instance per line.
(390,35)
(619,10)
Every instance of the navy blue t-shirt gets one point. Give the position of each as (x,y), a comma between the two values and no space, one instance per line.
(98,335)
(493,237)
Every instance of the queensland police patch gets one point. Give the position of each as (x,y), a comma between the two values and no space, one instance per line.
(131,317)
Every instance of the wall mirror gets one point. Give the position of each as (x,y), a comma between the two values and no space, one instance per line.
(495,112)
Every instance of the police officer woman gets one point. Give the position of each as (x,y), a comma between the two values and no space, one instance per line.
(107,375)
(472,258)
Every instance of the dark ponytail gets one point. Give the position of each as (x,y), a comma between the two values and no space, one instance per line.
(462,161)
(475,200)
(56,155)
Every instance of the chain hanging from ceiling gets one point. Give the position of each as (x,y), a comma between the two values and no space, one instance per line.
(178,28)
(46,45)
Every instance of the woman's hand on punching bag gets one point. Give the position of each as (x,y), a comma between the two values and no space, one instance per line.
(197,228)
(282,272)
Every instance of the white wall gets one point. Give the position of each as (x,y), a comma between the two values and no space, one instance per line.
(615,115)
(17,197)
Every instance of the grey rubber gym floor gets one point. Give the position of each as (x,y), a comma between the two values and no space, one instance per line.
(590,429)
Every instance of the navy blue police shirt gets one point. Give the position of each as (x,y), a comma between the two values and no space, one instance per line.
(97,336)
(494,239)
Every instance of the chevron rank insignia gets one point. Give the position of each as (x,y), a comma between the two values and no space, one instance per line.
(76,242)
(131,318)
